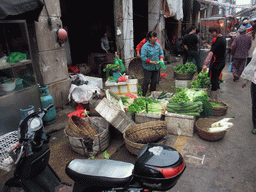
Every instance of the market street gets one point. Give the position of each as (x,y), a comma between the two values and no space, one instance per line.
(228,165)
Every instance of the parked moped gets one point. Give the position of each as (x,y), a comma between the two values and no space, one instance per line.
(157,167)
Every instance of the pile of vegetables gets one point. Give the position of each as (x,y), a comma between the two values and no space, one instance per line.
(147,105)
(190,102)
(189,67)
(202,81)
(109,67)
(191,108)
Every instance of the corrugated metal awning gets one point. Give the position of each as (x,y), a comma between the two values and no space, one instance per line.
(20,9)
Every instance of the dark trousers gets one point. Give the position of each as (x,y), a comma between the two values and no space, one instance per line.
(253,95)
(195,55)
(215,77)
(152,78)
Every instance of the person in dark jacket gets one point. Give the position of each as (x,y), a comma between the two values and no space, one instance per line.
(191,44)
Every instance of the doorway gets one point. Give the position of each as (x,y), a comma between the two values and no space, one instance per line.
(86,24)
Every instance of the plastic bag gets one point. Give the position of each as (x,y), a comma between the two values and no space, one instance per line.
(230,67)
(161,63)
(82,93)
(249,70)
(15,57)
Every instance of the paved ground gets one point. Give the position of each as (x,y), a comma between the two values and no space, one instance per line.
(229,165)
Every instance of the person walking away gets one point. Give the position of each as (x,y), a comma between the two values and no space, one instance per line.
(247,25)
(239,50)
(252,33)
(216,59)
(151,53)
(191,43)
(249,74)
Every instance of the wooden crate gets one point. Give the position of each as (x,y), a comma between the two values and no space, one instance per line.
(146,117)
(114,115)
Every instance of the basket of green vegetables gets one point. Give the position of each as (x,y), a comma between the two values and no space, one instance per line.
(185,71)
(219,108)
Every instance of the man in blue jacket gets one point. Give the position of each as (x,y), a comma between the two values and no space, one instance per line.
(151,54)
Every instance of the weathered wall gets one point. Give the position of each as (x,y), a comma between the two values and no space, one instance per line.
(51,68)
(156,18)
(124,20)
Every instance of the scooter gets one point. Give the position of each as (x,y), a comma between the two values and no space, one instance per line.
(157,167)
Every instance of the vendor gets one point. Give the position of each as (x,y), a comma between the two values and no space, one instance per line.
(105,43)
(151,53)
(216,60)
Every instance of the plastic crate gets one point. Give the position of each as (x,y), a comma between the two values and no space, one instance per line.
(122,88)
(7,142)
(180,124)
(114,115)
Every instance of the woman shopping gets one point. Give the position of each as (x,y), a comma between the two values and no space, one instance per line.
(151,54)
(216,58)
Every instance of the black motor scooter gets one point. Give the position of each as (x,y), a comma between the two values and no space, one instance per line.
(157,167)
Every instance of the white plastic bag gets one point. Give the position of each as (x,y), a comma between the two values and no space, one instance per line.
(249,70)
(83,93)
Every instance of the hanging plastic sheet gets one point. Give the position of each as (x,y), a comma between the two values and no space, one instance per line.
(25,9)
(174,8)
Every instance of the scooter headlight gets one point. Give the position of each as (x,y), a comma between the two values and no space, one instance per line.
(35,124)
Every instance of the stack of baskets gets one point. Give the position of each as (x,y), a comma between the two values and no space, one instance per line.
(136,136)
(88,136)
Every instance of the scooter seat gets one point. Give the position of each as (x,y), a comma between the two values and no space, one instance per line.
(100,173)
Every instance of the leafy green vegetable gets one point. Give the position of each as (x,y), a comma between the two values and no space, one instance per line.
(215,104)
(186,68)
(187,96)
(162,95)
(202,81)
(106,155)
(140,105)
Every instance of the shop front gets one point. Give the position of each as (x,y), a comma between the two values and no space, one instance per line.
(18,83)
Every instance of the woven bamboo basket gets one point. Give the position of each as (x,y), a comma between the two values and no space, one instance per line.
(183,76)
(219,111)
(134,148)
(135,68)
(91,146)
(78,127)
(204,123)
(147,132)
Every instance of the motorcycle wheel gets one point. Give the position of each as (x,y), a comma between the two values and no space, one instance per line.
(12,189)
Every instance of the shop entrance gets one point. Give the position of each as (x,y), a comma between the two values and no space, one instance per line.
(86,24)
(140,20)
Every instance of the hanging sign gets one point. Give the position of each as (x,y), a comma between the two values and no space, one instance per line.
(226,5)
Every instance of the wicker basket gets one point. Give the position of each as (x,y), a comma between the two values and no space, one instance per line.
(147,132)
(204,123)
(78,127)
(219,111)
(88,146)
(183,76)
(134,148)
(135,68)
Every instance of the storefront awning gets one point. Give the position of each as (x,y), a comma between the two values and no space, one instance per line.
(20,9)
